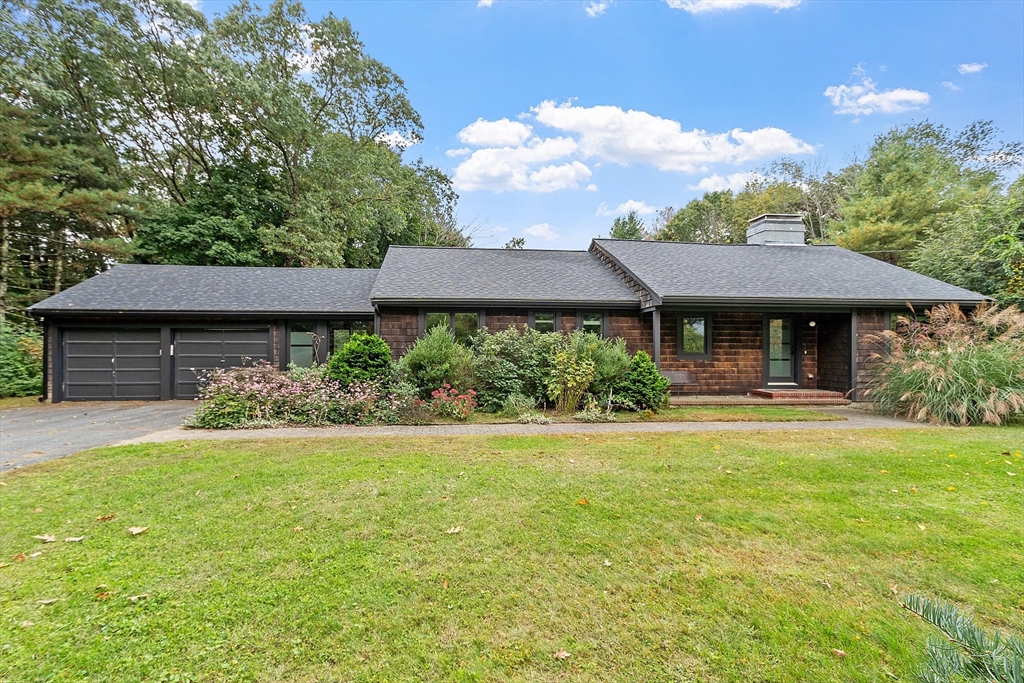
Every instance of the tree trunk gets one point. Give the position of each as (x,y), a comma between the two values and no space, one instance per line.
(5,249)
(58,258)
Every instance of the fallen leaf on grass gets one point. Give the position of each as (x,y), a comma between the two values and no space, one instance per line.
(838,653)
(47,601)
(26,624)
(46,538)
(298,528)
(446,584)
(105,518)
(583,501)
(922,527)
(74,539)
(562,654)
(136,530)
(699,517)
(607,563)
(1012,474)
(455,530)
(103,596)
(20,557)
(136,598)
(36,554)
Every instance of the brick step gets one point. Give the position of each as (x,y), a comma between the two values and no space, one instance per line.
(679,401)
(795,393)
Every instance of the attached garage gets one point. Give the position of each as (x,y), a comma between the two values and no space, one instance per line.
(144,332)
(105,364)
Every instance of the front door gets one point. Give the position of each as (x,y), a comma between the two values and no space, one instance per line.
(780,350)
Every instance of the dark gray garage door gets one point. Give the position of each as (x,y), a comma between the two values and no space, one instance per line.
(198,350)
(111,364)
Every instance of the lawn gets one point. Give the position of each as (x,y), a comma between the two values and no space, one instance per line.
(712,557)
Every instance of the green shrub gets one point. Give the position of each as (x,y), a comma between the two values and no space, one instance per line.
(952,368)
(363,358)
(611,365)
(513,362)
(21,360)
(448,402)
(592,412)
(644,387)
(437,359)
(572,371)
(517,405)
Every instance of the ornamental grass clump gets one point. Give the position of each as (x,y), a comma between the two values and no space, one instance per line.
(953,368)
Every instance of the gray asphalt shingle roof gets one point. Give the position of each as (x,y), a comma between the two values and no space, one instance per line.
(751,273)
(217,289)
(498,276)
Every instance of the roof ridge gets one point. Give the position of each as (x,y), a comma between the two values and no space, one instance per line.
(502,249)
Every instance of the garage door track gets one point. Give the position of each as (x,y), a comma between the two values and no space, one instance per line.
(36,433)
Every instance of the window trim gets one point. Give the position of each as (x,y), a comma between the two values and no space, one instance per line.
(531,318)
(708,324)
(593,311)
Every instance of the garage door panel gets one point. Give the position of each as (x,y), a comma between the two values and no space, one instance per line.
(104,364)
(197,351)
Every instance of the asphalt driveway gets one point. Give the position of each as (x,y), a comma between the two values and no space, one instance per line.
(42,432)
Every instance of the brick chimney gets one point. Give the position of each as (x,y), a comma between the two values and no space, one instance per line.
(776,228)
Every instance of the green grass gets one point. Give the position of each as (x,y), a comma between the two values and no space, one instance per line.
(687,414)
(711,557)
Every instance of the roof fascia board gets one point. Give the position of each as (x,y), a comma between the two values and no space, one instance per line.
(774,303)
(656,298)
(506,303)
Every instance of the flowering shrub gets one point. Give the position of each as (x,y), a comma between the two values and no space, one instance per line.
(260,395)
(449,402)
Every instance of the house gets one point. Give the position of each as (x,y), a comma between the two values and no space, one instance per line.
(773,314)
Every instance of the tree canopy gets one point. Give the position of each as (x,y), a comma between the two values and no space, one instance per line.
(138,129)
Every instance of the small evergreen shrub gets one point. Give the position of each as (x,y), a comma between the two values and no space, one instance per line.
(363,358)
(965,653)
(951,368)
(437,359)
(611,365)
(21,360)
(644,387)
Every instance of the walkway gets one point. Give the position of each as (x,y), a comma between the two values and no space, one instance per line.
(854,419)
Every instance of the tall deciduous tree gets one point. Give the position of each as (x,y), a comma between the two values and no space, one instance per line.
(628,227)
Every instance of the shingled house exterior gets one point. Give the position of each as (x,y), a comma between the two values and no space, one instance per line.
(719,320)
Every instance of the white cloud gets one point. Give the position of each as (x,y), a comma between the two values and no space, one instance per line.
(541,230)
(625,137)
(509,168)
(864,98)
(702,6)
(951,85)
(717,183)
(625,207)
(484,3)
(500,133)
(596,8)
(971,67)
(396,140)
(511,156)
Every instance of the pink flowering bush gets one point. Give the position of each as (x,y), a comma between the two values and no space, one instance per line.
(260,395)
(449,402)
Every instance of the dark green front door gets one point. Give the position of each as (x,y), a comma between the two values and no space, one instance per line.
(780,350)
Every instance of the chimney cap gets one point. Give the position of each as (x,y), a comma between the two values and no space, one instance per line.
(778,217)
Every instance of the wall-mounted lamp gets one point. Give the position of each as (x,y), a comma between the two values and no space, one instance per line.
(811,324)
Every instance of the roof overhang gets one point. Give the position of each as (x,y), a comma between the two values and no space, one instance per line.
(766,303)
(89,313)
(506,303)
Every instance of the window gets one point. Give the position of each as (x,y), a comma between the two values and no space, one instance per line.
(302,344)
(590,321)
(545,321)
(694,336)
(342,331)
(463,325)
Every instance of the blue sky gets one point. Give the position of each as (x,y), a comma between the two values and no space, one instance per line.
(553,115)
